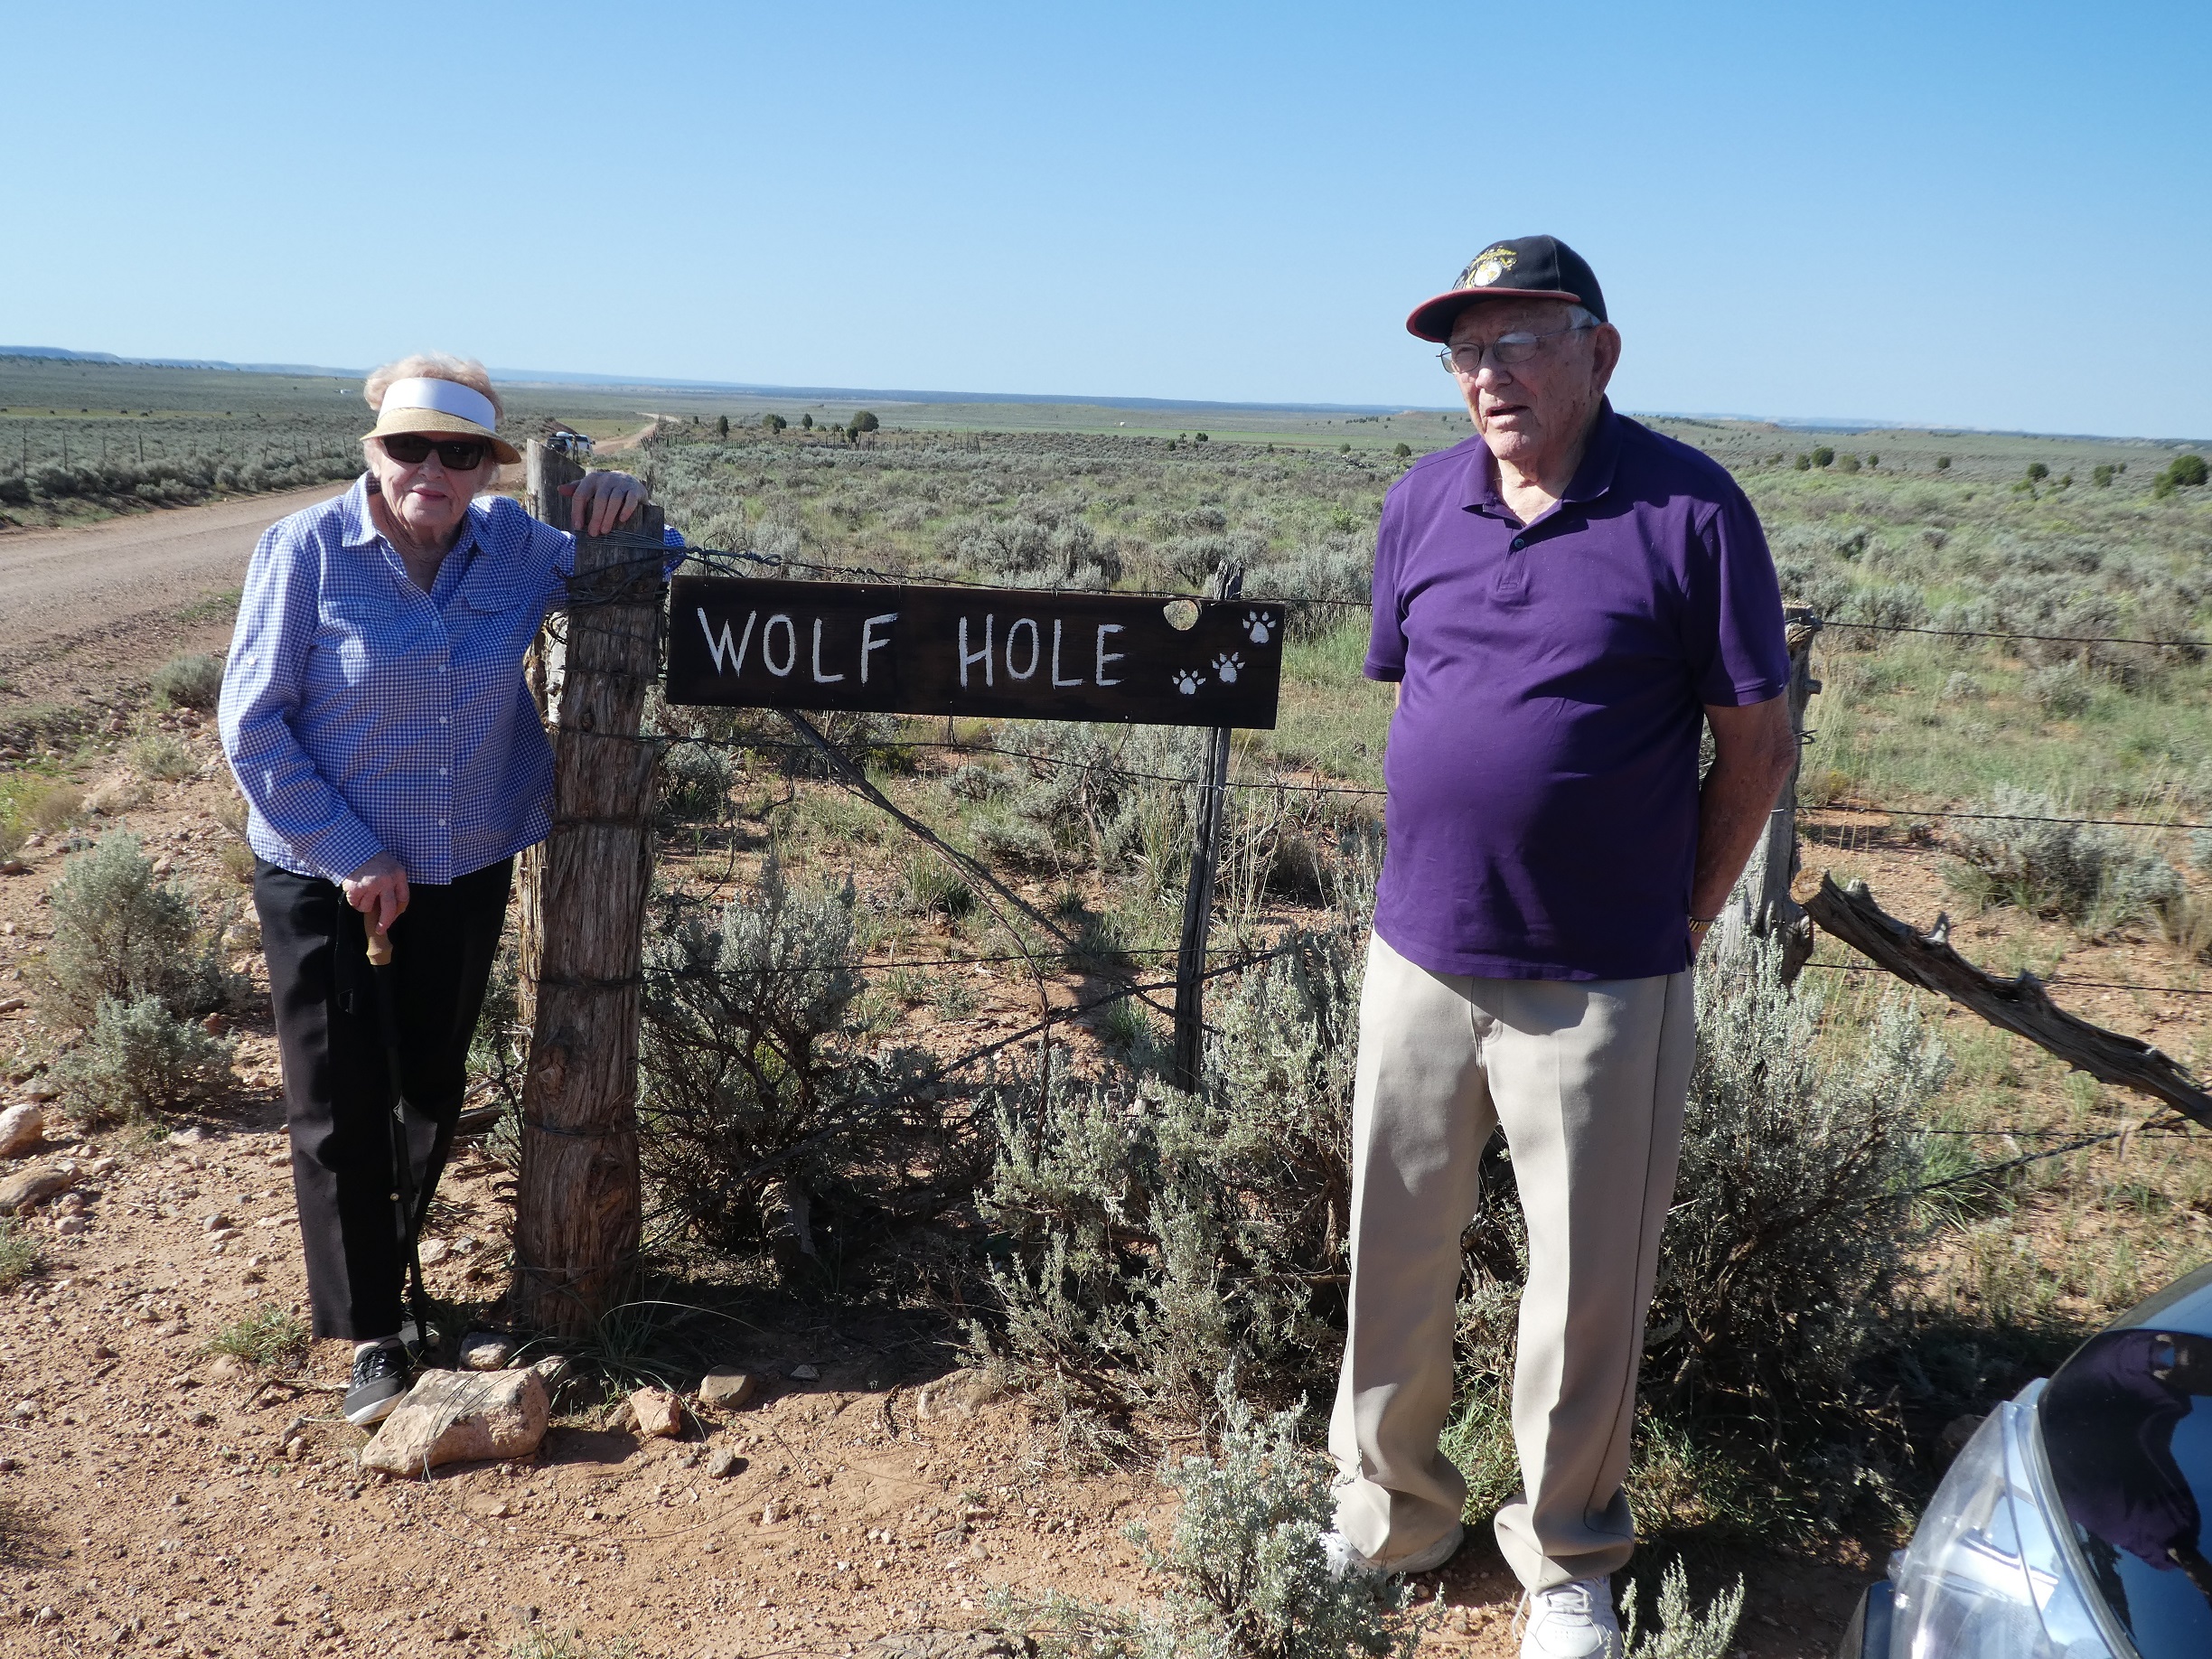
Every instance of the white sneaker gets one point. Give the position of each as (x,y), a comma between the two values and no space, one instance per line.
(1571,1621)
(1344,1561)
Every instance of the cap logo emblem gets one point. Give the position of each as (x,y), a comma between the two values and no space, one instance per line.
(1486,268)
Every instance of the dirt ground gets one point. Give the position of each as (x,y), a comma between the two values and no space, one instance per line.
(154,1496)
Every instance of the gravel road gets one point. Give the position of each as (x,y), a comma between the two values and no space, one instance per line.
(58,587)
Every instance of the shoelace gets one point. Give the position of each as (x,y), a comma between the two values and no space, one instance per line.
(1556,1597)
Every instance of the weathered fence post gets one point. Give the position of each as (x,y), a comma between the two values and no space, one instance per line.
(545,470)
(1189,1058)
(1761,903)
(577,1207)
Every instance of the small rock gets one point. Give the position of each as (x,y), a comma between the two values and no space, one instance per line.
(431,1251)
(805,1373)
(103,1166)
(39,1092)
(486,1351)
(618,1419)
(217,1224)
(453,1417)
(295,1450)
(70,1226)
(728,1388)
(228,1368)
(14,866)
(216,1024)
(33,1186)
(960,1394)
(658,1413)
(553,1371)
(724,1463)
(241,935)
(202,1419)
(169,1327)
(22,1128)
(100,1350)
(768,1515)
(165,866)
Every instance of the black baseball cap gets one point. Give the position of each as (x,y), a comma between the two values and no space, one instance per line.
(1524,267)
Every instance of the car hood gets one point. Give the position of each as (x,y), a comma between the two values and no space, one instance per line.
(2127,1424)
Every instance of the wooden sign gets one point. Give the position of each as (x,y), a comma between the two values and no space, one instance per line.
(1017,653)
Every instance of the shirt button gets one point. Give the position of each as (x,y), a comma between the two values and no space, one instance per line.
(441,823)
(1518,544)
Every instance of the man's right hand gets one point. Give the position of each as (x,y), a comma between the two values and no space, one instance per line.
(378,890)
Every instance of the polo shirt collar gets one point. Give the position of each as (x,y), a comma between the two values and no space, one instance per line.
(1592,478)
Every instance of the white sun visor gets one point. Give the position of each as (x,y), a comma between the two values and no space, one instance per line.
(446,396)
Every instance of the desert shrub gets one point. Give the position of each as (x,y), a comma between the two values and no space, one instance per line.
(270,1333)
(761,1124)
(2200,849)
(138,1059)
(1682,1632)
(2063,691)
(19,1253)
(1336,572)
(695,780)
(2041,863)
(36,806)
(1960,687)
(163,758)
(1790,1218)
(930,885)
(192,681)
(1245,1574)
(1157,1237)
(120,935)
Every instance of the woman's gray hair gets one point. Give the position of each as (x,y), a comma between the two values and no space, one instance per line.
(432,366)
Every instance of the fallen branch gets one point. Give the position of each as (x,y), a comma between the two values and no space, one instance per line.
(2020,1004)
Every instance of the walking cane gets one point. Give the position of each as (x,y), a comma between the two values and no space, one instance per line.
(381,971)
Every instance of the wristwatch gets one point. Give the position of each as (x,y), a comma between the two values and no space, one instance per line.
(1699,925)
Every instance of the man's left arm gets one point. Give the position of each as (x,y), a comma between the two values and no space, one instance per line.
(1753,751)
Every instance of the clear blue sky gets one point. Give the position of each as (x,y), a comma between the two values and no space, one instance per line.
(1986,214)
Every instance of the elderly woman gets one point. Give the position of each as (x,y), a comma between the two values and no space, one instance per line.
(393,764)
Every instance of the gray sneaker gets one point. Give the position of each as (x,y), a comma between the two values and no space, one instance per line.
(382,1378)
(1344,1561)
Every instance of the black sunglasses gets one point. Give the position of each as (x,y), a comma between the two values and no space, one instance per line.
(412,449)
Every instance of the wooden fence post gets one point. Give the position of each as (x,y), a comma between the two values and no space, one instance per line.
(1761,903)
(1188,1064)
(578,1206)
(545,470)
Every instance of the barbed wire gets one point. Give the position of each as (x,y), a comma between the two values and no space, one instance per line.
(2056,981)
(2020,818)
(1993,633)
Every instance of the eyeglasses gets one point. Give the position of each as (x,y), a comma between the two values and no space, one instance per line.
(412,449)
(1505,351)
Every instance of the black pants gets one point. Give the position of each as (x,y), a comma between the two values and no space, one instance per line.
(337,1077)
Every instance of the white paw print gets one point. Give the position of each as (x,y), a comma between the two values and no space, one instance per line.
(1258,626)
(1187,681)
(1227,667)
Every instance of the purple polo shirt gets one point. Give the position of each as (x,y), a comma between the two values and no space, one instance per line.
(1542,766)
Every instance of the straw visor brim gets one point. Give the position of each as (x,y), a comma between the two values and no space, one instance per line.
(390,420)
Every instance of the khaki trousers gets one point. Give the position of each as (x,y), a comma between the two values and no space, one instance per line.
(1588,1078)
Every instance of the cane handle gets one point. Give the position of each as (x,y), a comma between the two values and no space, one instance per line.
(380,946)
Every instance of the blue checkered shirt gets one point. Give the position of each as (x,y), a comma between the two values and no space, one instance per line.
(361,715)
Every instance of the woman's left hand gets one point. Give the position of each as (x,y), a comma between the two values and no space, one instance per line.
(603,500)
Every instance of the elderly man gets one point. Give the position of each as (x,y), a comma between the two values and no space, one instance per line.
(1562,600)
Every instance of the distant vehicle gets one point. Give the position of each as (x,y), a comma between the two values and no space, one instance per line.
(2071,1526)
(574,444)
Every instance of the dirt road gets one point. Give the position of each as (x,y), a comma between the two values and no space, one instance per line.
(58,586)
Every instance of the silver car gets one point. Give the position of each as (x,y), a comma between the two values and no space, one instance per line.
(2073,1524)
